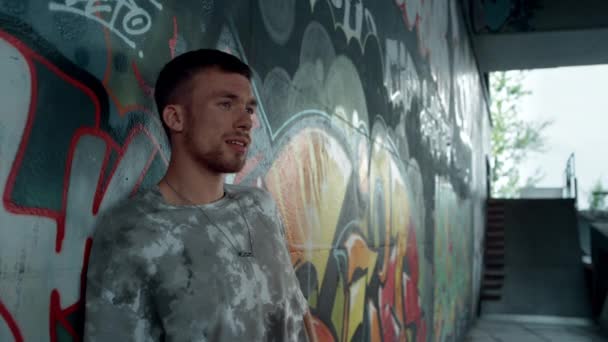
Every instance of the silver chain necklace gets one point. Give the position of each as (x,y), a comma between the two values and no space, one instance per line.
(240,253)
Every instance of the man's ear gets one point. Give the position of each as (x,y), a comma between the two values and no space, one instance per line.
(174,117)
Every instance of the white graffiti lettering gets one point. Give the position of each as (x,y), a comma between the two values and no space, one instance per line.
(434,125)
(124,18)
(357,22)
(466,82)
(352,32)
(430,19)
(337,3)
(400,76)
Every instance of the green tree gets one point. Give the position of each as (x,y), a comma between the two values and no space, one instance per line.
(597,196)
(513,138)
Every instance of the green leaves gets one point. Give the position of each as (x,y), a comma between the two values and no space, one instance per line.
(597,196)
(513,138)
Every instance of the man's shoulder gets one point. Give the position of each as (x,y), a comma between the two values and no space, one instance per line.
(243,191)
(132,208)
(128,216)
(261,198)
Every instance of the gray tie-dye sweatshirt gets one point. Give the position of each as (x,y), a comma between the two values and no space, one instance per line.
(159,272)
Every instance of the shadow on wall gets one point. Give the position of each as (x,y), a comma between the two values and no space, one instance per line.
(371,137)
(599,255)
(505,15)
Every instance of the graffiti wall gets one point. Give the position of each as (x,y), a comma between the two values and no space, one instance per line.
(371,135)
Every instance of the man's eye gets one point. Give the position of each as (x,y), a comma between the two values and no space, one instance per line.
(226,105)
(250,110)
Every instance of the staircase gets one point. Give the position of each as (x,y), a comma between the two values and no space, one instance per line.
(532,259)
(494,251)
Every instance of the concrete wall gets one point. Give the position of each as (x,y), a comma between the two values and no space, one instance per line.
(599,256)
(371,135)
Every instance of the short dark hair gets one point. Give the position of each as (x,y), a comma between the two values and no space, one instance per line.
(174,79)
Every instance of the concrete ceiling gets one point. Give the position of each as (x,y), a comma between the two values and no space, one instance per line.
(527,34)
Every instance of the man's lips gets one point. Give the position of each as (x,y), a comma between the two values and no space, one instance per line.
(243,141)
(239,144)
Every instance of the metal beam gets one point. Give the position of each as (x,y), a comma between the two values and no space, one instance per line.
(512,51)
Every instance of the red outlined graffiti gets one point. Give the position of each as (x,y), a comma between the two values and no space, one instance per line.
(173,40)
(122,108)
(56,215)
(62,317)
(31,56)
(148,90)
(10,321)
(143,174)
(411,293)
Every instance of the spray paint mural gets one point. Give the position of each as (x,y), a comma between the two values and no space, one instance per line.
(371,136)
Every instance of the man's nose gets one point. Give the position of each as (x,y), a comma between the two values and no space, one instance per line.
(245,121)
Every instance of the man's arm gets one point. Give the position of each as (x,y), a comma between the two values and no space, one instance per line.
(310,329)
(118,294)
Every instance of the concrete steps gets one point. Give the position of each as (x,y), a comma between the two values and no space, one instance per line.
(532,259)
(494,252)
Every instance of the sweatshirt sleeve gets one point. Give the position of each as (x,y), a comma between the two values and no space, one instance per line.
(118,295)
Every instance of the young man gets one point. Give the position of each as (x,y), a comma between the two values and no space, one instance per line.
(194,259)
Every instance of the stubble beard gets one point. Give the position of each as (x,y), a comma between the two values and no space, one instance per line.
(215,160)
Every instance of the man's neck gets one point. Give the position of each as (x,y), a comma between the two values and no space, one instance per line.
(191,185)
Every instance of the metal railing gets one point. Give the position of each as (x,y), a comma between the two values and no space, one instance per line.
(571,186)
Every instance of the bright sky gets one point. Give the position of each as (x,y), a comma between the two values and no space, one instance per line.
(575,98)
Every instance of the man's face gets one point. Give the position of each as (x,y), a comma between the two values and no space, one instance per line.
(219,119)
